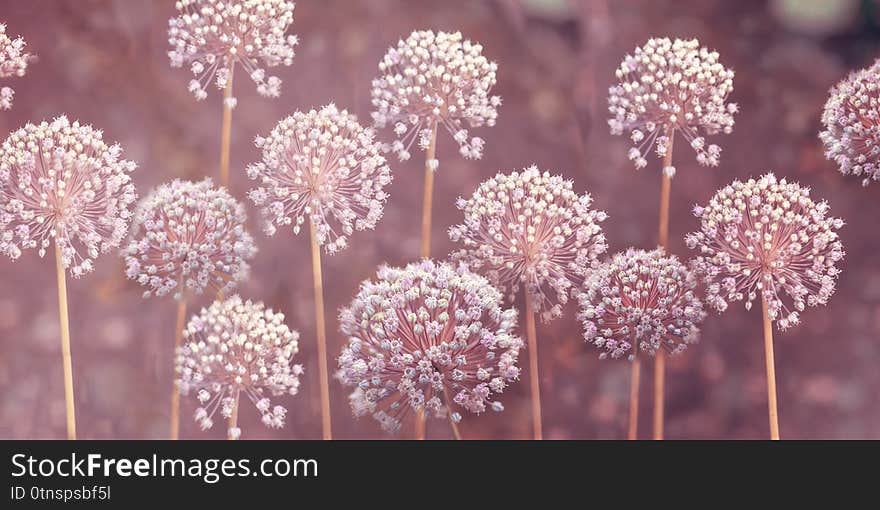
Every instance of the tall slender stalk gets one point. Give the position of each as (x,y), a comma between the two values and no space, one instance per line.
(663,241)
(65,344)
(772,411)
(233,418)
(425,248)
(175,390)
(226,133)
(534,378)
(633,431)
(321,333)
(448,401)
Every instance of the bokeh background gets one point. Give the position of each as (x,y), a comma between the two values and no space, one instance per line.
(104,62)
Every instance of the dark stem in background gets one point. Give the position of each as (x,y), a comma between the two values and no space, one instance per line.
(663,241)
(321,332)
(65,344)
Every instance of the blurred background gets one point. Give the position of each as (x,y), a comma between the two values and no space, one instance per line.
(104,62)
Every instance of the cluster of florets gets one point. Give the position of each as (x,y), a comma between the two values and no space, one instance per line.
(531,229)
(641,302)
(432,80)
(428,336)
(238,348)
(324,167)
(13,63)
(667,87)
(186,237)
(213,36)
(852,124)
(60,182)
(767,236)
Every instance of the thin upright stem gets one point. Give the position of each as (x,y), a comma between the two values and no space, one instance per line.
(233,418)
(321,332)
(65,344)
(534,377)
(772,411)
(448,401)
(226,133)
(175,390)
(430,155)
(663,241)
(633,432)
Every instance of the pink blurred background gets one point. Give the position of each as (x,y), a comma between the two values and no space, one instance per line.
(104,62)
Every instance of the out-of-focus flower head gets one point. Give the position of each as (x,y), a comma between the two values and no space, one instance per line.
(235,349)
(425,333)
(324,167)
(13,63)
(767,236)
(640,302)
(667,87)
(435,79)
(60,181)
(852,124)
(212,36)
(530,228)
(188,236)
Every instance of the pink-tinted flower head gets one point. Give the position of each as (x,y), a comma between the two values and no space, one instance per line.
(213,36)
(188,236)
(435,79)
(422,334)
(640,302)
(60,182)
(667,86)
(13,63)
(852,124)
(324,167)
(238,350)
(530,228)
(767,236)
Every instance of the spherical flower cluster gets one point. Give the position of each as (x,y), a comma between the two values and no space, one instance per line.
(852,124)
(60,181)
(238,348)
(13,62)
(427,336)
(767,236)
(322,166)
(530,228)
(432,80)
(213,36)
(640,302)
(188,236)
(668,86)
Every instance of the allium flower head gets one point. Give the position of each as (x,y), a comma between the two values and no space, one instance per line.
(435,79)
(188,236)
(323,166)
(212,36)
(530,228)
(640,302)
(13,63)
(424,333)
(667,86)
(60,181)
(767,236)
(852,124)
(236,349)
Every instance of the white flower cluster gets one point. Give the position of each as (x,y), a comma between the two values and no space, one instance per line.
(324,167)
(60,181)
(530,228)
(852,124)
(13,63)
(767,236)
(212,36)
(188,236)
(238,348)
(640,302)
(431,80)
(668,86)
(427,336)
